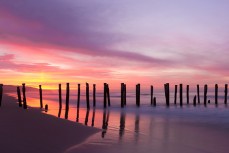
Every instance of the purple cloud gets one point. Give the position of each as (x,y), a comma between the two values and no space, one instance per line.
(94,27)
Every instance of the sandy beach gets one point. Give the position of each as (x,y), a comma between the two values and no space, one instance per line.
(30,131)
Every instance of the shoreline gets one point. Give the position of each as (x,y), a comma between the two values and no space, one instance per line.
(33,131)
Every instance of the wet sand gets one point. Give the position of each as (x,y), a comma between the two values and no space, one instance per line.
(31,131)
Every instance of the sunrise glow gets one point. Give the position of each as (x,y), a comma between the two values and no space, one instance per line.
(150,42)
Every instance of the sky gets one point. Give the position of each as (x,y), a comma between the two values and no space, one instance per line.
(96,41)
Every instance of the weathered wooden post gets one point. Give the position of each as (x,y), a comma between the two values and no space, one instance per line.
(1,93)
(205,94)
(168,94)
(122,95)
(175,96)
(181,94)
(151,93)
(209,101)
(187,94)
(216,94)
(105,95)
(87,95)
(60,101)
(165,90)
(108,95)
(93,118)
(24,96)
(154,101)
(19,96)
(41,99)
(86,118)
(77,114)
(67,101)
(46,108)
(94,92)
(166,87)
(104,119)
(138,95)
(78,98)
(198,93)
(194,101)
(226,92)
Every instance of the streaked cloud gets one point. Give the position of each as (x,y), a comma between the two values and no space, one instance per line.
(98,38)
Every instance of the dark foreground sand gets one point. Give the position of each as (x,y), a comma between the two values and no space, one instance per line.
(30,131)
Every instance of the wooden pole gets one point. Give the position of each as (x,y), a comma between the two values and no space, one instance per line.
(181,94)
(167,97)
(198,93)
(226,92)
(93,118)
(1,94)
(60,101)
(165,90)
(67,101)
(216,94)
(151,93)
(19,96)
(205,94)
(175,96)
(77,114)
(187,94)
(168,94)
(154,101)
(108,95)
(46,108)
(78,98)
(104,119)
(86,118)
(194,101)
(94,92)
(41,99)
(122,95)
(138,95)
(87,96)
(24,96)
(105,96)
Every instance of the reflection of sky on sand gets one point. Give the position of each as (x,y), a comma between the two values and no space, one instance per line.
(163,130)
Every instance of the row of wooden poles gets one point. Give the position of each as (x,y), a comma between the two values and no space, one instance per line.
(23,102)
(106,101)
(196,97)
